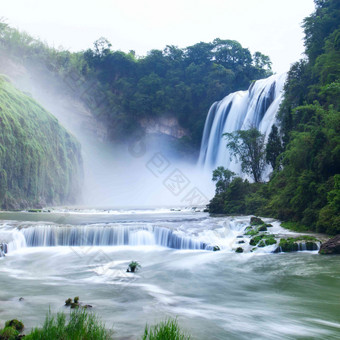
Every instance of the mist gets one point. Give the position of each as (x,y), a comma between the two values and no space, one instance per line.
(138,173)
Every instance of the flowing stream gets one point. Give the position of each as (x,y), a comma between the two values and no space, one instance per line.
(214,294)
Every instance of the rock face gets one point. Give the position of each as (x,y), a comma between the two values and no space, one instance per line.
(332,246)
(163,125)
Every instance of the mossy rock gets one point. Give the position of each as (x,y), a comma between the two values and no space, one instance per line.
(9,333)
(252,232)
(262,228)
(76,299)
(239,250)
(16,324)
(261,244)
(256,221)
(240,242)
(68,302)
(264,240)
(216,248)
(34,210)
(311,246)
(288,245)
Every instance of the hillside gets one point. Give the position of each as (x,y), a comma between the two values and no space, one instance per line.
(304,188)
(124,90)
(40,162)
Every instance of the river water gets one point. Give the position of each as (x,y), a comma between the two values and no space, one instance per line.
(214,295)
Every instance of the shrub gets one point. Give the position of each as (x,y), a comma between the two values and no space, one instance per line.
(166,330)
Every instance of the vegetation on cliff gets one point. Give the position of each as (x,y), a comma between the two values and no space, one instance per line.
(122,88)
(40,162)
(305,184)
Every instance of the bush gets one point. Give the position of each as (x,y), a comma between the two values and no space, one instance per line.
(166,330)
(9,333)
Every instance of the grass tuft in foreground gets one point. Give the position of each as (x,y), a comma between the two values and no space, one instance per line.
(81,326)
(166,330)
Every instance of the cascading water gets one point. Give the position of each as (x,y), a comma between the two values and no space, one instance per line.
(52,235)
(240,110)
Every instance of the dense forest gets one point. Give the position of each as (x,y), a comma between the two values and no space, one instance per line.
(304,188)
(122,88)
(40,162)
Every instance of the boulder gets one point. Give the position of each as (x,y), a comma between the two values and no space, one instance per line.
(332,246)
(256,221)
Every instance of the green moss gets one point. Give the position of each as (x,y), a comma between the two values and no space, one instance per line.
(256,221)
(9,333)
(239,250)
(262,240)
(39,160)
(16,324)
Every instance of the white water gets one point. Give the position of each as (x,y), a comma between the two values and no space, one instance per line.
(214,295)
(241,110)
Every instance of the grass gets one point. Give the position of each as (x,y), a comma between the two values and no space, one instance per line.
(295,226)
(166,330)
(82,325)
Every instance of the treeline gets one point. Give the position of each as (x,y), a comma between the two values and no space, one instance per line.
(304,188)
(121,88)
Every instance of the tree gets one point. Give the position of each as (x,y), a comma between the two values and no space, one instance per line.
(222,177)
(274,147)
(249,147)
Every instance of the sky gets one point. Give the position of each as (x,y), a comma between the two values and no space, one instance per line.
(272,27)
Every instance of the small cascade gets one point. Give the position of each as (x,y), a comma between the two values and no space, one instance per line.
(241,110)
(3,249)
(94,235)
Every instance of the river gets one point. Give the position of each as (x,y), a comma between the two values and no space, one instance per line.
(214,295)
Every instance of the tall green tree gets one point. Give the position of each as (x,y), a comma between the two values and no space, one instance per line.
(274,146)
(248,146)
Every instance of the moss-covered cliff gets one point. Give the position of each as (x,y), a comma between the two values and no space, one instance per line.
(40,162)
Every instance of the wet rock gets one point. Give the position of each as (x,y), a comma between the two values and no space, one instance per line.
(332,246)
(3,249)
(87,306)
(16,324)
(239,242)
(216,248)
(256,221)
(311,246)
(68,302)
(239,250)
(21,299)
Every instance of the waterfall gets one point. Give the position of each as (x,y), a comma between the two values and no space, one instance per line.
(101,235)
(240,110)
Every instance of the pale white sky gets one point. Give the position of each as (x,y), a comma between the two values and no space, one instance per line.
(272,27)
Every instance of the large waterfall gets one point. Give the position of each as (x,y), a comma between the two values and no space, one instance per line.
(240,110)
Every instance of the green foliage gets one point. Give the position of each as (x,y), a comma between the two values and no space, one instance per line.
(273,147)
(248,146)
(181,82)
(81,325)
(16,324)
(133,266)
(9,333)
(39,160)
(166,330)
(304,188)
(222,177)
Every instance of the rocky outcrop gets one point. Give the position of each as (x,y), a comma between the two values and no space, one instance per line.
(163,125)
(332,246)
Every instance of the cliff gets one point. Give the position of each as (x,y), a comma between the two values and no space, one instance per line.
(40,162)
